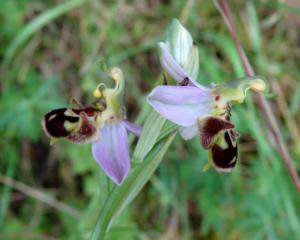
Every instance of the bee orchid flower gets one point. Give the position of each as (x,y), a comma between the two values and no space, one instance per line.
(197,108)
(111,151)
(103,124)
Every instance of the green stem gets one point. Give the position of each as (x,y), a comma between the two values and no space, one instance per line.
(120,197)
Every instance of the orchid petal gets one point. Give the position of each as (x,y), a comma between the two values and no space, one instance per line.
(133,128)
(181,104)
(112,153)
(189,132)
(170,65)
(173,68)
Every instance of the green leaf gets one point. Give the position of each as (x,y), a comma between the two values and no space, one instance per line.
(121,196)
(295,102)
(253,26)
(149,136)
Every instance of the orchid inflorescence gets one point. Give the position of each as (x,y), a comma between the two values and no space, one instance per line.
(196,109)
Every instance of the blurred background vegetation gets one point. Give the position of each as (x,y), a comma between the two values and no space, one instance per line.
(52,51)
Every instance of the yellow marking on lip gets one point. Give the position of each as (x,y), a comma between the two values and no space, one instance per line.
(70,127)
(233,160)
(70,113)
(52,117)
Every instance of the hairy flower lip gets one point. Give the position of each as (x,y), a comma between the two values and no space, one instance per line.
(224,159)
(210,128)
(87,131)
(77,125)
(53,123)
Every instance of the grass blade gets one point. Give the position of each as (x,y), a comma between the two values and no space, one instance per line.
(36,24)
(149,136)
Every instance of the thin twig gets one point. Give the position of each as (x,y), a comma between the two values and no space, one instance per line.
(45,198)
(260,100)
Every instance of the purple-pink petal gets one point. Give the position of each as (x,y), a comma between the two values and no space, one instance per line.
(111,151)
(132,127)
(170,65)
(181,104)
(173,68)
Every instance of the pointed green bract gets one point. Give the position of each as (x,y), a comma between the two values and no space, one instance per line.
(191,66)
(180,42)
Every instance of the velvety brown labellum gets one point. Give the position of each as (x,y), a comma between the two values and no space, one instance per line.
(225,159)
(87,131)
(210,129)
(53,123)
(77,125)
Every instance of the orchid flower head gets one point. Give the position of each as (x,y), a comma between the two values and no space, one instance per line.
(103,124)
(197,108)
(111,151)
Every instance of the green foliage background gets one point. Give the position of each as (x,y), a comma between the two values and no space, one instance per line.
(52,51)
